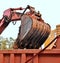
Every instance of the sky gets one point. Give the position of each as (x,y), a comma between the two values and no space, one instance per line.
(49,9)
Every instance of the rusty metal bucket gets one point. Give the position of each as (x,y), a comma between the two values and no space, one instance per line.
(33,32)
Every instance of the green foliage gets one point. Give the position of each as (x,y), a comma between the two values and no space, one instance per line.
(6,43)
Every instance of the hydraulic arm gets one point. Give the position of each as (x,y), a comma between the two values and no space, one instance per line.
(11,15)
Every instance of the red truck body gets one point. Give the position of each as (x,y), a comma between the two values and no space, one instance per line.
(21,56)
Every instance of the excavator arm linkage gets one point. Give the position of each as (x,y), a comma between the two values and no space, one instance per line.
(11,15)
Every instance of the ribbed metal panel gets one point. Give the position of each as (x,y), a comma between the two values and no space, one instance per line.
(21,56)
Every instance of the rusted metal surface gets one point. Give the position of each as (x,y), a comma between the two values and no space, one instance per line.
(21,56)
(58,29)
(33,32)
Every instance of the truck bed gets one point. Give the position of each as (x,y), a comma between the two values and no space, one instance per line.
(21,56)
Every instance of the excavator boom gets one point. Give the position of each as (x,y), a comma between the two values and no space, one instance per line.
(4,22)
(11,15)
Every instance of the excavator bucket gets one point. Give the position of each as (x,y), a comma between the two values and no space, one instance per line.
(32,33)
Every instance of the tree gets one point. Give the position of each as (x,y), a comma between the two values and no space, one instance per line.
(6,43)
